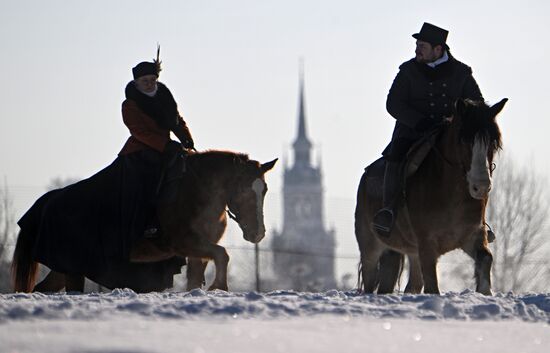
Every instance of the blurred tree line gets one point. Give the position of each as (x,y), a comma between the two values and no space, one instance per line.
(7,236)
(517,213)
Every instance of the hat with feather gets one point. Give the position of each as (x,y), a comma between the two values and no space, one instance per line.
(148,68)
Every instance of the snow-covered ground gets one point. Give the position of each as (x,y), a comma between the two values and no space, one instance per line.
(283,321)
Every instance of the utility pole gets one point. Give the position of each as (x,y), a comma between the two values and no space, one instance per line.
(257,263)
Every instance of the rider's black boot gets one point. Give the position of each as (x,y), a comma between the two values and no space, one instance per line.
(384,219)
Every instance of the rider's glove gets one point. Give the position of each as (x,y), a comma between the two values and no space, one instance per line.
(188,144)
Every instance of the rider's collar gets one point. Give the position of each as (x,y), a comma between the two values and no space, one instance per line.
(441,60)
(150,94)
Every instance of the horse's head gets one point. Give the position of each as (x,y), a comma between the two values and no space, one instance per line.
(479,137)
(246,199)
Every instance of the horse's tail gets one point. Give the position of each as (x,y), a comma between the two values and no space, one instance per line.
(361,231)
(360,283)
(388,272)
(23,268)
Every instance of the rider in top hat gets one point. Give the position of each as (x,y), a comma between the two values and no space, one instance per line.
(421,97)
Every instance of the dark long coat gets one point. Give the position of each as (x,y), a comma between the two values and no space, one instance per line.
(89,227)
(421,96)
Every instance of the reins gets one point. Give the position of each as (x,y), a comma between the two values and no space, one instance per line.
(232,215)
(438,152)
(445,159)
(460,165)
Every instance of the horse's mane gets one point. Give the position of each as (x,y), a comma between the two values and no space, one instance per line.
(219,159)
(479,120)
(222,154)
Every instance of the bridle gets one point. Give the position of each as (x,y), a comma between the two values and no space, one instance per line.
(257,187)
(233,216)
(460,165)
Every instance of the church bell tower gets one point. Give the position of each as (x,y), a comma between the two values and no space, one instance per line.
(304,249)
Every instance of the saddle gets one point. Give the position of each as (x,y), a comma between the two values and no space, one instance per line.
(409,166)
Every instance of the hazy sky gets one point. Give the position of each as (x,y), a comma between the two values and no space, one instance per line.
(233,68)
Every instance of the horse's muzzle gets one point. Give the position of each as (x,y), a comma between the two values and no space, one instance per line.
(255,237)
(480,191)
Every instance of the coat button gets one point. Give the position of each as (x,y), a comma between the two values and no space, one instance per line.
(431,83)
(430,94)
(445,105)
(444,85)
(443,95)
(432,104)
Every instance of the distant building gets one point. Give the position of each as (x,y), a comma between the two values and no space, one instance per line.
(303,252)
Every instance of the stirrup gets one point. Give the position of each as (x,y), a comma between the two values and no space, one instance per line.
(383,221)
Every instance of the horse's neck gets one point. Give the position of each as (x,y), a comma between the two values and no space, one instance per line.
(438,198)
(442,173)
(210,180)
(449,159)
(210,168)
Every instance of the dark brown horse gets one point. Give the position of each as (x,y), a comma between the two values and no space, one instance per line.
(192,225)
(443,207)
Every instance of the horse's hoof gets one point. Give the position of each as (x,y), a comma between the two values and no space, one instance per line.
(216,287)
(484,291)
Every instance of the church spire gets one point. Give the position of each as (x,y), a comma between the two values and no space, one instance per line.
(302,145)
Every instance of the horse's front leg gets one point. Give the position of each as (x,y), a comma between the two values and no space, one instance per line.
(221,259)
(477,249)
(195,272)
(205,249)
(428,264)
(415,283)
(483,264)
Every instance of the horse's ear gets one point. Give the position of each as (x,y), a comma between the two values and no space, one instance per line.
(495,109)
(267,166)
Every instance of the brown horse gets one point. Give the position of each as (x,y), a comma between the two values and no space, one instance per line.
(443,207)
(192,225)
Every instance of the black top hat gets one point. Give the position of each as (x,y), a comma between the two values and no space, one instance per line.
(432,34)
